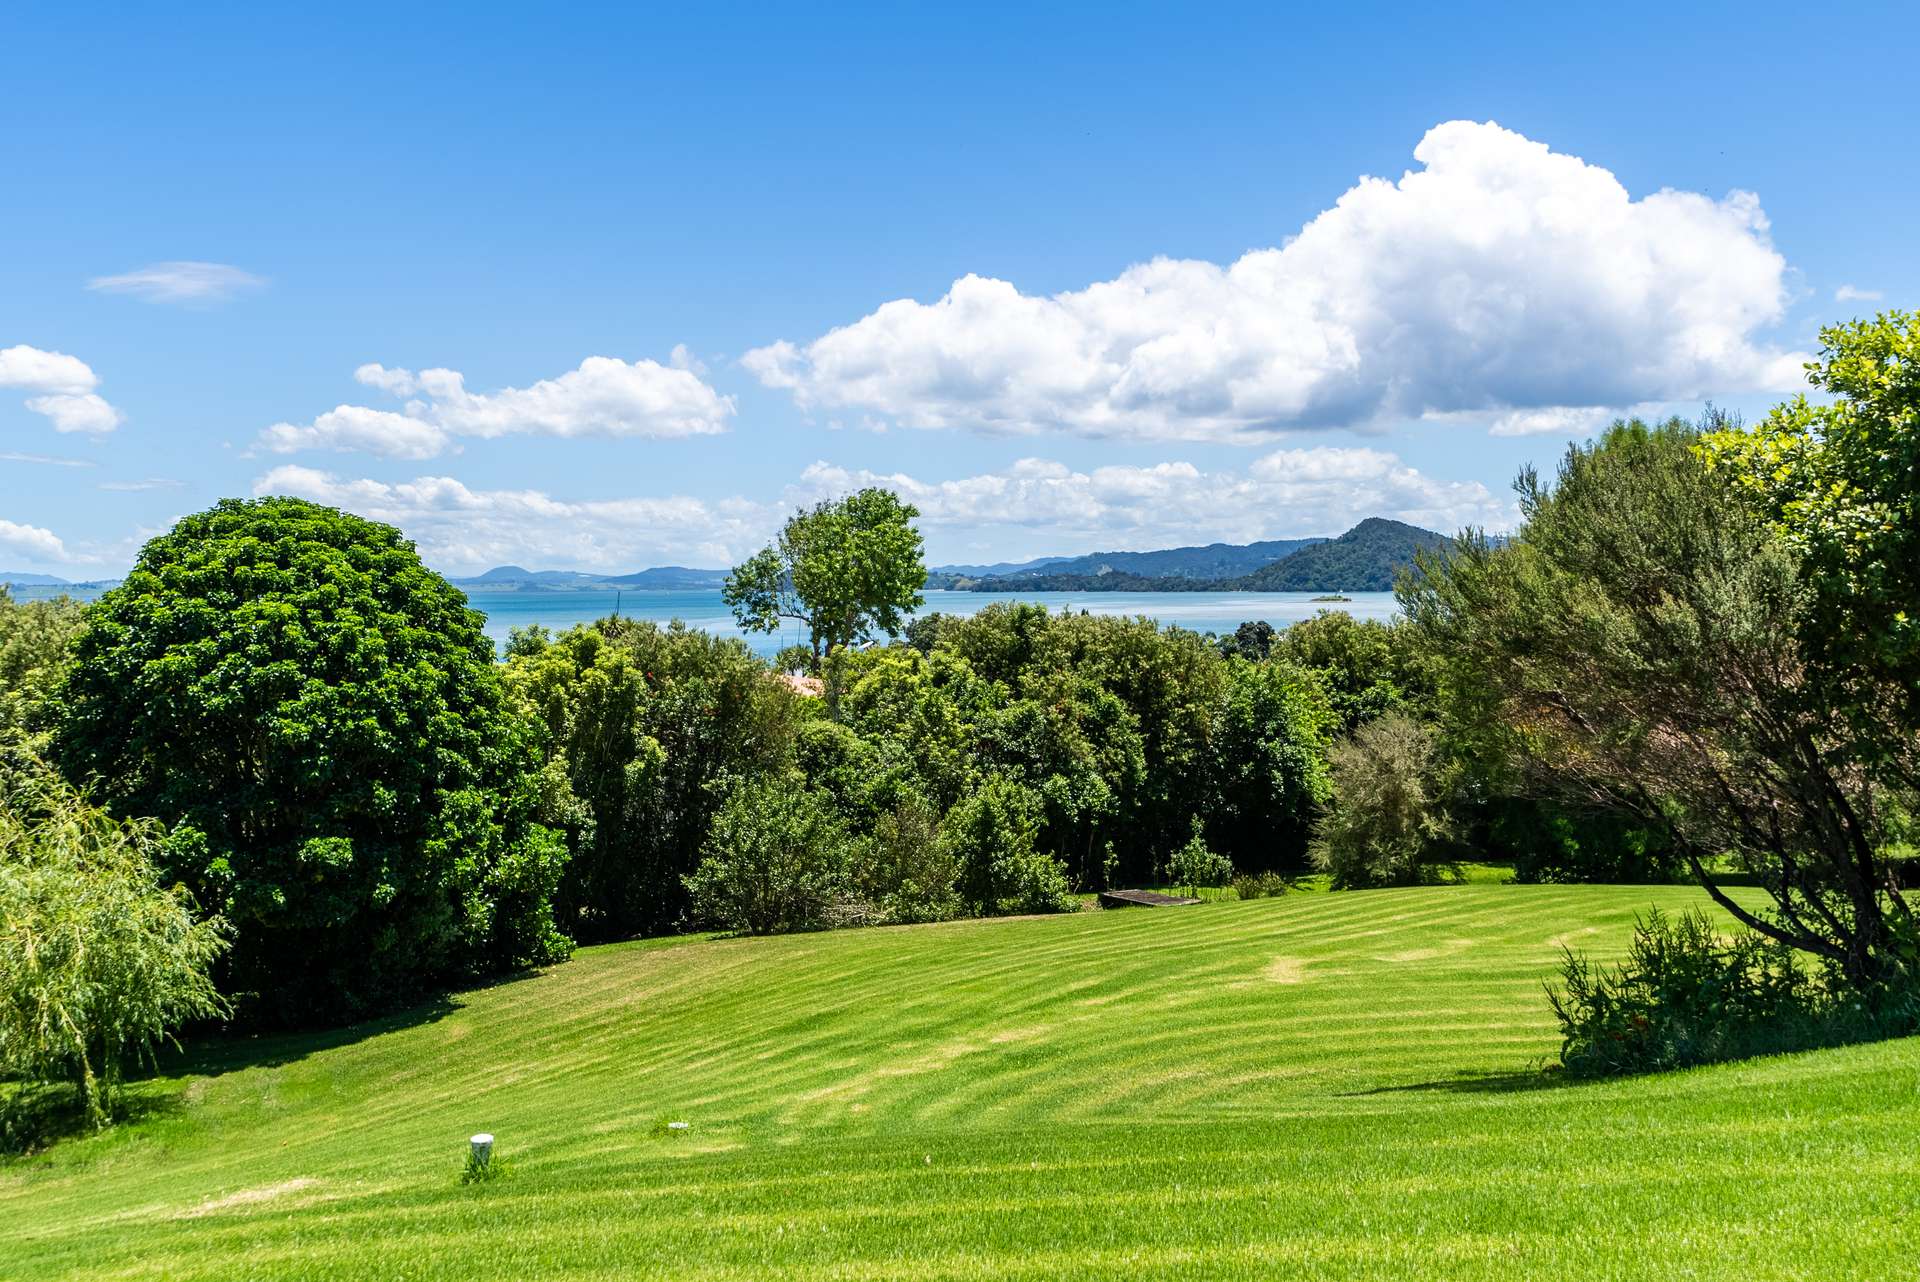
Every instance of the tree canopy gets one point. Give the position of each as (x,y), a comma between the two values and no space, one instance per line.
(319,719)
(1641,641)
(1841,483)
(841,568)
(35,648)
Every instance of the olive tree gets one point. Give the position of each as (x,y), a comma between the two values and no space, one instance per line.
(1643,642)
(1386,825)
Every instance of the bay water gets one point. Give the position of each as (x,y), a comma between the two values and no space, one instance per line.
(702,608)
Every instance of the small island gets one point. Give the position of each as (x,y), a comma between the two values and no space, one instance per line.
(1331,596)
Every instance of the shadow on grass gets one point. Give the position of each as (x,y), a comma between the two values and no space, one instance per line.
(1474,1082)
(34,1117)
(211,1053)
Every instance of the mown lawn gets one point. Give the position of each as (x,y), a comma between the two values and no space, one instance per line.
(1324,1086)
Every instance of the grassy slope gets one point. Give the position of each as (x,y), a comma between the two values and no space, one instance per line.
(1322,1085)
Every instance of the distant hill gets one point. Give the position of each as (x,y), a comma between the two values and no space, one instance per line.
(668,576)
(518,578)
(1122,571)
(1364,559)
(989,571)
(22,579)
(1112,581)
(507,576)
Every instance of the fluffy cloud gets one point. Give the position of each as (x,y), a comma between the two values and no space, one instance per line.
(1852,294)
(66,385)
(603,397)
(464,529)
(1285,493)
(180,282)
(356,427)
(1499,277)
(31,541)
(1033,506)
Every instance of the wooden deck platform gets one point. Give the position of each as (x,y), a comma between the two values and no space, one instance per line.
(1141,899)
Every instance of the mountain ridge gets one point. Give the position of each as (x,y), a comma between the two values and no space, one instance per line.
(1364,559)
(1200,562)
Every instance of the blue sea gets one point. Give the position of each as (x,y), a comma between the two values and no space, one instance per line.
(702,608)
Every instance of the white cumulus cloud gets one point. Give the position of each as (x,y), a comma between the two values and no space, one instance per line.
(463,529)
(1031,507)
(605,396)
(1499,277)
(66,385)
(31,541)
(1853,294)
(1285,493)
(180,282)
(358,427)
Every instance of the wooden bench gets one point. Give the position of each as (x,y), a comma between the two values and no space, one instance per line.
(1141,899)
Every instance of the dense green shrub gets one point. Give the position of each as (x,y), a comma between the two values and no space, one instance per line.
(922,714)
(1194,865)
(908,872)
(1075,744)
(1385,826)
(1269,749)
(1171,684)
(1260,885)
(35,648)
(639,727)
(588,698)
(99,961)
(1124,731)
(1684,995)
(993,839)
(779,859)
(1252,640)
(1569,843)
(1368,667)
(1115,732)
(866,777)
(319,718)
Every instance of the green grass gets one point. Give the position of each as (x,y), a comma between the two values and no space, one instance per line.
(1323,1086)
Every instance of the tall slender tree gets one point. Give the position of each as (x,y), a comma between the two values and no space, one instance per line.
(842,569)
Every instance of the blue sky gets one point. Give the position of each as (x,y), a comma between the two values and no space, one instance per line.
(693,267)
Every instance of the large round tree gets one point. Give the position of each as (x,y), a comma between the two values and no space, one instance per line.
(319,717)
